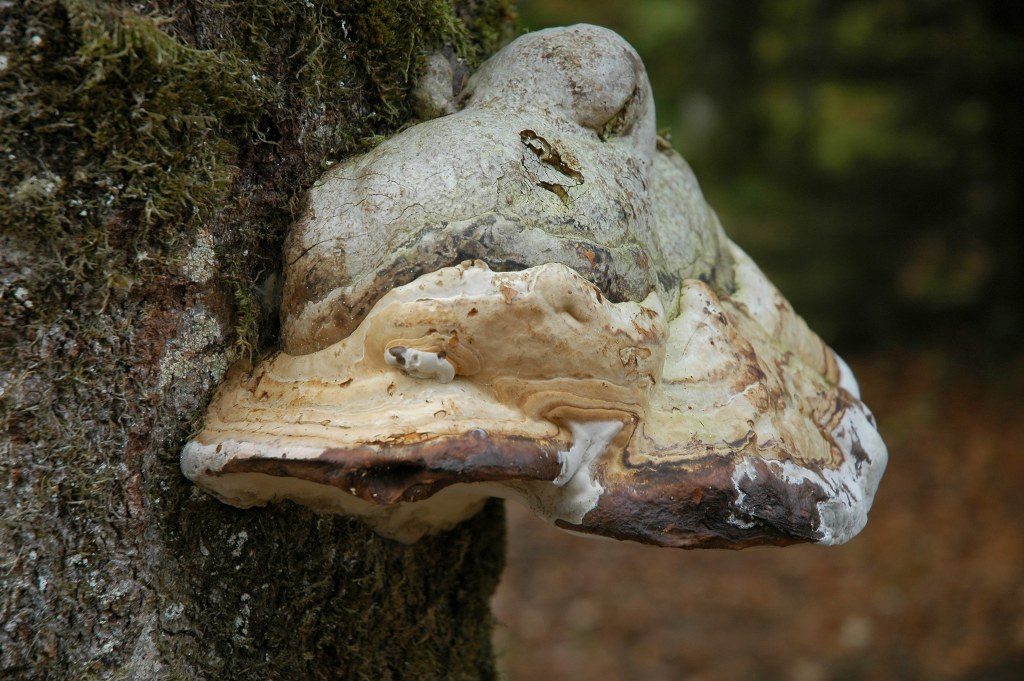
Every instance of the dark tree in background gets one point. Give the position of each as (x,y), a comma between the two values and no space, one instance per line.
(152,155)
(869,153)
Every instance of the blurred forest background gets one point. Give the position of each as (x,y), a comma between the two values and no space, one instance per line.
(868,155)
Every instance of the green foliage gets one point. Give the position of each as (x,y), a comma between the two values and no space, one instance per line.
(867,153)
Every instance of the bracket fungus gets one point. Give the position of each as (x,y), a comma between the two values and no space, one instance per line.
(529,298)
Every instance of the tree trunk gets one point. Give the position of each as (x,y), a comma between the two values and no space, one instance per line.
(152,155)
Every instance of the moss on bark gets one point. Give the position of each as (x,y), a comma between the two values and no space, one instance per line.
(151,157)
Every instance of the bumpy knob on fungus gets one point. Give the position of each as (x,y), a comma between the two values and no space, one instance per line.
(529,298)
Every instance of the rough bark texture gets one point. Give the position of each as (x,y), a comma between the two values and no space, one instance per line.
(152,155)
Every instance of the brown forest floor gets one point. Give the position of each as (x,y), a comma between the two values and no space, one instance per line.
(932,589)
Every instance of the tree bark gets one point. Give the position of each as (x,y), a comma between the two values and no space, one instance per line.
(152,156)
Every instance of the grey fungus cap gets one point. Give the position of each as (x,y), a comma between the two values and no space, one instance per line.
(529,298)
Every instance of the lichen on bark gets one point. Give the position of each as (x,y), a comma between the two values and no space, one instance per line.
(152,156)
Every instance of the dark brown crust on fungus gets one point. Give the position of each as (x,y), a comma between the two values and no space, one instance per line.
(683,507)
(694,507)
(388,474)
